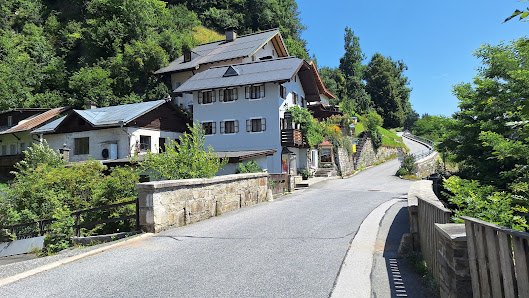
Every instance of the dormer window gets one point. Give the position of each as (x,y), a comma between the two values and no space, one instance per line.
(187,56)
(231,72)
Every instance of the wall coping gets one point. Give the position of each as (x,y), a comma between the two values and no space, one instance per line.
(430,156)
(422,189)
(151,186)
(453,231)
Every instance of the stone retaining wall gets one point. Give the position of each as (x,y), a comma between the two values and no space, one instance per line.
(174,203)
(426,166)
(369,156)
(345,162)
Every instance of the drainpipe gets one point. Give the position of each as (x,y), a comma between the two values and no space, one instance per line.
(121,125)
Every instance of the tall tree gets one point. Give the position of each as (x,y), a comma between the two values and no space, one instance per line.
(387,86)
(357,100)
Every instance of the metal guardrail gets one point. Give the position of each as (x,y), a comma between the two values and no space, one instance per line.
(428,143)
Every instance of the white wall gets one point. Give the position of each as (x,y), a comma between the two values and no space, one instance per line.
(271,107)
(100,139)
(8,141)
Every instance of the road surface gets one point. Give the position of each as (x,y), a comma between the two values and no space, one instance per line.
(291,247)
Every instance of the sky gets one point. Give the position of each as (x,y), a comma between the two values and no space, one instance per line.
(435,39)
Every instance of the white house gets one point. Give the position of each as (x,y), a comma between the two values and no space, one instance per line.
(242,107)
(234,49)
(15,127)
(116,132)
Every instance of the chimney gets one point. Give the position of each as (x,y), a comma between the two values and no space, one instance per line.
(90,105)
(65,152)
(231,35)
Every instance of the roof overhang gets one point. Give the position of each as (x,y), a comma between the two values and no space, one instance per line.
(308,81)
(319,81)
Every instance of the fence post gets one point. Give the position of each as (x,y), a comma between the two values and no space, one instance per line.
(78,224)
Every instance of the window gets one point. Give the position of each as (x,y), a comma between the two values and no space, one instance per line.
(145,143)
(254,92)
(227,95)
(22,147)
(227,127)
(295,98)
(205,97)
(4,149)
(161,143)
(9,120)
(187,56)
(81,146)
(256,125)
(210,128)
(283,91)
(13,149)
(303,102)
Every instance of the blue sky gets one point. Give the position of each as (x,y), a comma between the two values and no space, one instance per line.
(435,39)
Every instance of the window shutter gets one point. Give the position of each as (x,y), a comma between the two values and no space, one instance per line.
(248,125)
(213,127)
(247,92)
(236,125)
(262,91)
(213,96)
(263,124)
(235,93)
(221,95)
(221,127)
(199,97)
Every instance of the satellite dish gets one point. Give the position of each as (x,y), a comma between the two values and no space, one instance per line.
(105,153)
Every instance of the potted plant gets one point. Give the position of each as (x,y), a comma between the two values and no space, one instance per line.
(305,174)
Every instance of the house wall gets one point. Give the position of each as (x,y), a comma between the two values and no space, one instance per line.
(22,143)
(271,107)
(100,139)
(231,168)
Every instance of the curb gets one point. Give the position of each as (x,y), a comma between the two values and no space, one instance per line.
(354,279)
(7,280)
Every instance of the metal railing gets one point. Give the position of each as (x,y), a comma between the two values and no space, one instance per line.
(428,143)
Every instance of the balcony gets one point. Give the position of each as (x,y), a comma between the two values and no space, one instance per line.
(291,138)
(10,160)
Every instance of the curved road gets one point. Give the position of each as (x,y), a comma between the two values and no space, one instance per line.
(291,247)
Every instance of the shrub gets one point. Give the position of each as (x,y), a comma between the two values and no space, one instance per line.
(402,172)
(304,173)
(249,167)
(186,160)
(61,232)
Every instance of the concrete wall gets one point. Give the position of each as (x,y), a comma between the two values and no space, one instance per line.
(369,156)
(174,203)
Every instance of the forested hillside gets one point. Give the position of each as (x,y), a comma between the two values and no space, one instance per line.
(68,52)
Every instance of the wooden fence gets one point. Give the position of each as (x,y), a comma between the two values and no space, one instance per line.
(278,183)
(39,228)
(498,259)
(429,213)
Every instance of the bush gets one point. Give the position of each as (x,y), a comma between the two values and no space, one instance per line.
(249,167)
(304,173)
(402,172)
(186,160)
(61,232)
(376,139)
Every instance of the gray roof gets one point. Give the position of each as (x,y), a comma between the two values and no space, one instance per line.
(236,156)
(108,116)
(242,46)
(281,69)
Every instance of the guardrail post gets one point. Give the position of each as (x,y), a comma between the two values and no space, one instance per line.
(78,224)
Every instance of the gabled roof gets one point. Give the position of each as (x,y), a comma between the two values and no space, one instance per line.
(242,47)
(108,116)
(36,120)
(250,73)
(319,82)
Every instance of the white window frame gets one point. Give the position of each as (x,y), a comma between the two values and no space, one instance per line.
(201,97)
(249,124)
(234,92)
(223,126)
(248,92)
(213,127)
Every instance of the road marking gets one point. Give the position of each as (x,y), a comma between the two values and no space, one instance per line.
(11,279)
(354,279)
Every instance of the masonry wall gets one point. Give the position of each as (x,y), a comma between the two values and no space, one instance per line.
(426,166)
(369,156)
(345,162)
(174,203)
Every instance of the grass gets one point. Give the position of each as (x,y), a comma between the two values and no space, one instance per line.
(359,127)
(420,267)
(390,139)
(205,35)
(411,177)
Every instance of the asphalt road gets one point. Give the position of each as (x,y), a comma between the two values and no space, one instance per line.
(291,247)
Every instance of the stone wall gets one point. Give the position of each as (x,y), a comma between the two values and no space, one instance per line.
(369,156)
(452,255)
(345,162)
(426,166)
(174,203)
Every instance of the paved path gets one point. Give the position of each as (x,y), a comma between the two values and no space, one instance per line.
(292,247)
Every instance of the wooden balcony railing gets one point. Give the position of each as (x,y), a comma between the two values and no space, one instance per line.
(291,138)
(10,160)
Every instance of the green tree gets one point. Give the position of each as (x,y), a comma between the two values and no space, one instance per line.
(185,160)
(387,86)
(431,127)
(310,128)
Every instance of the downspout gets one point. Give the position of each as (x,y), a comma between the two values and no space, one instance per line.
(121,125)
